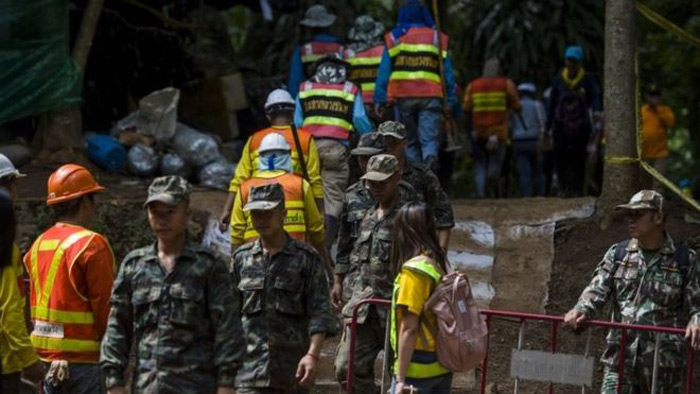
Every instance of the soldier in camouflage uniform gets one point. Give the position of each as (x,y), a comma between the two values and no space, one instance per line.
(651,281)
(357,201)
(173,301)
(368,266)
(421,178)
(285,305)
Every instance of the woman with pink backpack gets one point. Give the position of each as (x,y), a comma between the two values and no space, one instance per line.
(435,325)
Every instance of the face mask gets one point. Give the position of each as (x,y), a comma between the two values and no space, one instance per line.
(270,161)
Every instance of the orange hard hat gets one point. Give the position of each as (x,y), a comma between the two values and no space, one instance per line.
(69,182)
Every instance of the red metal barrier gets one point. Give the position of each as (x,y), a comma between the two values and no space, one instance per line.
(556,323)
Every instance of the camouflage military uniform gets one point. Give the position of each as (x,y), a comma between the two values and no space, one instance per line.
(652,292)
(182,325)
(368,275)
(429,190)
(284,300)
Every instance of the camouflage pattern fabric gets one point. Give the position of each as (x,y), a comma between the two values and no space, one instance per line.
(650,292)
(284,300)
(171,190)
(670,381)
(428,187)
(268,390)
(370,341)
(186,336)
(357,202)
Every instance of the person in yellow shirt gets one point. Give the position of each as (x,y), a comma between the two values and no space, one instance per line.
(657,119)
(304,221)
(418,262)
(17,353)
(279,108)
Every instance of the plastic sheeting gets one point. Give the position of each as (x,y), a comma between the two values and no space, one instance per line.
(173,164)
(217,174)
(37,73)
(142,160)
(196,148)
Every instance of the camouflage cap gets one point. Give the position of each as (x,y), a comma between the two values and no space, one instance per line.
(381,167)
(366,29)
(645,199)
(394,129)
(265,197)
(370,144)
(171,190)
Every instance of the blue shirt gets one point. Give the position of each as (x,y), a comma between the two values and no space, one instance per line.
(296,68)
(530,122)
(360,121)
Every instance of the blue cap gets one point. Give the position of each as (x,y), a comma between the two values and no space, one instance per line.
(574,52)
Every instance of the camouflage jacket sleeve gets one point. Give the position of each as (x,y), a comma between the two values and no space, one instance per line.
(692,288)
(438,201)
(599,289)
(229,345)
(318,302)
(116,343)
(345,242)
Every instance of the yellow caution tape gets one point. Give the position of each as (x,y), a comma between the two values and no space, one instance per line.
(651,170)
(667,25)
(617,160)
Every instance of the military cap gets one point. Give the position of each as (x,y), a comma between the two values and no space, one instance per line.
(171,190)
(381,167)
(366,29)
(370,144)
(265,197)
(645,199)
(394,129)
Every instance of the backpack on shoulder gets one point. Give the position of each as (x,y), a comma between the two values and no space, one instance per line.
(571,114)
(461,335)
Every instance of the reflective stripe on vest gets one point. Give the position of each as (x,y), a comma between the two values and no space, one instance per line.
(489,101)
(53,327)
(490,107)
(315,50)
(295,221)
(415,63)
(415,370)
(328,109)
(286,132)
(364,67)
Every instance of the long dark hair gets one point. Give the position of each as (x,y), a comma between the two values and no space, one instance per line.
(415,234)
(8,228)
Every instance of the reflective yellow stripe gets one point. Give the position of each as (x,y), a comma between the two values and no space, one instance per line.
(71,345)
(294,204)
(369,86)
(365,61)
(310,58)
(54,315)
(489,101)
(403,47)
(328,121)
(489,95)
(55,262)
(348,96)
(411,75)
(488,108)
(34,261)
(47,245)
(423,371)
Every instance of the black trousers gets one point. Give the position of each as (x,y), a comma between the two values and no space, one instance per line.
(570,157)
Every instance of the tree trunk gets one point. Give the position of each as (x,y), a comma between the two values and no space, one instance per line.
(60,130)
(620,180)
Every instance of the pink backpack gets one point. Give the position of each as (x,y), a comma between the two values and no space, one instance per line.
(461,335)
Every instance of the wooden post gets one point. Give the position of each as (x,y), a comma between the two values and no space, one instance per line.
(60,130)
(620,180)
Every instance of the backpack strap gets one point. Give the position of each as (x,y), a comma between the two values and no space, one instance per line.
(682,257)
(620,252)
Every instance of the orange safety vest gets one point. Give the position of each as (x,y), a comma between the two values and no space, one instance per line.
(304,139)
(63,320)
(490,106)
(315,50)
(364,67)
(328,108)
(415,63)
(295,222)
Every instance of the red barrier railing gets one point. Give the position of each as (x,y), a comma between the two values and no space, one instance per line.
(556,322)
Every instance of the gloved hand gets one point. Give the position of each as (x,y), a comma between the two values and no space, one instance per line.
(492,143)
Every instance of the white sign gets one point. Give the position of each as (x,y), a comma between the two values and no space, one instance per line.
(561,368)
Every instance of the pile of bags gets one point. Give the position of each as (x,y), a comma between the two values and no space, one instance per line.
(159,145)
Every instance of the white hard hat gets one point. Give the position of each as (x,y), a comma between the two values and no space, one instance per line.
(7,169)
(274,141)
(528,87)
(279,97)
